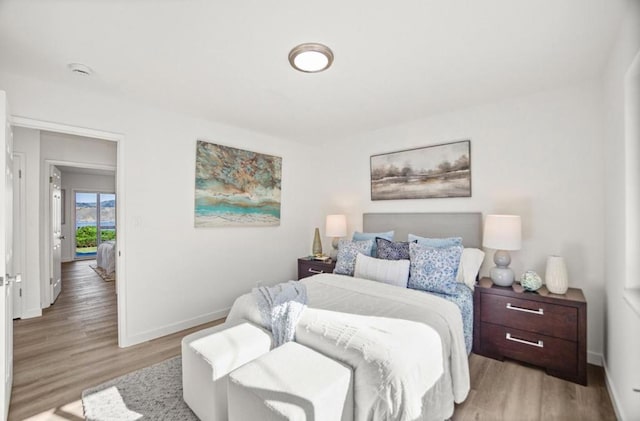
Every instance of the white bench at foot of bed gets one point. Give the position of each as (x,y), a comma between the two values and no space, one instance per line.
(208,356)
(292,382)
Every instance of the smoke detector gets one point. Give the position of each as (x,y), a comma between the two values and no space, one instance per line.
(80,69)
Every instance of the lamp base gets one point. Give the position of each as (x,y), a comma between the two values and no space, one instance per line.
(501,274)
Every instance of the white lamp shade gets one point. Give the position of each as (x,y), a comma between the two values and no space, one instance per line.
(502,232)
(336,226)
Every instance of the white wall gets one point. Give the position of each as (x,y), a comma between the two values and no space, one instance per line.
(28,142)
(622,340)
(538,156)
(73,181)
(177,276)
(68,148)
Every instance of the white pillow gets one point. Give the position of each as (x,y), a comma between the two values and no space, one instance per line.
(392,272)
(470,263)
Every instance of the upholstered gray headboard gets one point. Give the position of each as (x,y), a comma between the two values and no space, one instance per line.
(467,225)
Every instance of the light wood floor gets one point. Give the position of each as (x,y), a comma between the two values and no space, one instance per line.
(512,391)
(74,346)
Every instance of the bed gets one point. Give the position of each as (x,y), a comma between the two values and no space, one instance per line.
(467,225)
(106,256)
(408,349)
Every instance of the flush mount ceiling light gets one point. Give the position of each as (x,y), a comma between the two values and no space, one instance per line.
(311,57)
(80,69)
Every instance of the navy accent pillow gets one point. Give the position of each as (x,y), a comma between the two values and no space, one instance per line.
(392,250)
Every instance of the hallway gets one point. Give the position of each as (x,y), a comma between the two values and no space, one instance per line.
(73,346)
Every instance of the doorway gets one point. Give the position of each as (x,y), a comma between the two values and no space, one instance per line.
(94,222)
(41,270)
(84,178)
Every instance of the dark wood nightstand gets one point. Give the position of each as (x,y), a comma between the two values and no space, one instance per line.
(309,267)
(538,328)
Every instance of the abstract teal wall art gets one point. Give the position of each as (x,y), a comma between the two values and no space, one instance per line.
(235,187)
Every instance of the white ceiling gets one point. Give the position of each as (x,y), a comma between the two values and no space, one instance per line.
(226,61)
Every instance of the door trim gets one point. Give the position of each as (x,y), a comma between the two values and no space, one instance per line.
(20,229)
(30,123)
(121,290)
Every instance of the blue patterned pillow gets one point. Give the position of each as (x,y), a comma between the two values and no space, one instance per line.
(434,269)
(361,236)
(438,243)
(392,250)
(347,253)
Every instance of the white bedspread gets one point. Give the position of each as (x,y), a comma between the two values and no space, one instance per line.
(408,354)
(106,256)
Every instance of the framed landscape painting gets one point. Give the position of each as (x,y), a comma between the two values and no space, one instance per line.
(423,173)
(235,187)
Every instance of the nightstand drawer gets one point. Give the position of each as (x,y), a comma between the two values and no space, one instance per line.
(531,316)
(313,267)
(544,351)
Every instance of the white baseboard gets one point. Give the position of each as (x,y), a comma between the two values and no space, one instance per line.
(30,314)
(612,392)
(594,358)
(173,328)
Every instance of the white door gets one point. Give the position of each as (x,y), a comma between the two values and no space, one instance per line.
(55,196)
(6,258)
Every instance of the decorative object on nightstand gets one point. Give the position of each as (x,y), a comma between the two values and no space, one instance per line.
(530,281)
(316,249)
(502,233)
(336,227)
(556,277)
(540,328)
(308,266)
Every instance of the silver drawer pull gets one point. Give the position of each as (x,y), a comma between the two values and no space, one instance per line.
(539,311)
(539,344)
(315,271)
(636,389)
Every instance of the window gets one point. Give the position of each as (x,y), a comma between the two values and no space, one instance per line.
(95,221)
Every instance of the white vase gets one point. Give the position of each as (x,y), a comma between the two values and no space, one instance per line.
(556,277)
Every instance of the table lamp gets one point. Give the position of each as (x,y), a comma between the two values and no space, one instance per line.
(502,233)
(336,227)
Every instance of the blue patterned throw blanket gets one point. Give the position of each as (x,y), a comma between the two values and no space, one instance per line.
(280,307)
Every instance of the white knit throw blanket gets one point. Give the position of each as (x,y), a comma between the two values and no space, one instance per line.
(280,307)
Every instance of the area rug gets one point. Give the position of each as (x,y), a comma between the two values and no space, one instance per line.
(152,393)
(109,277)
